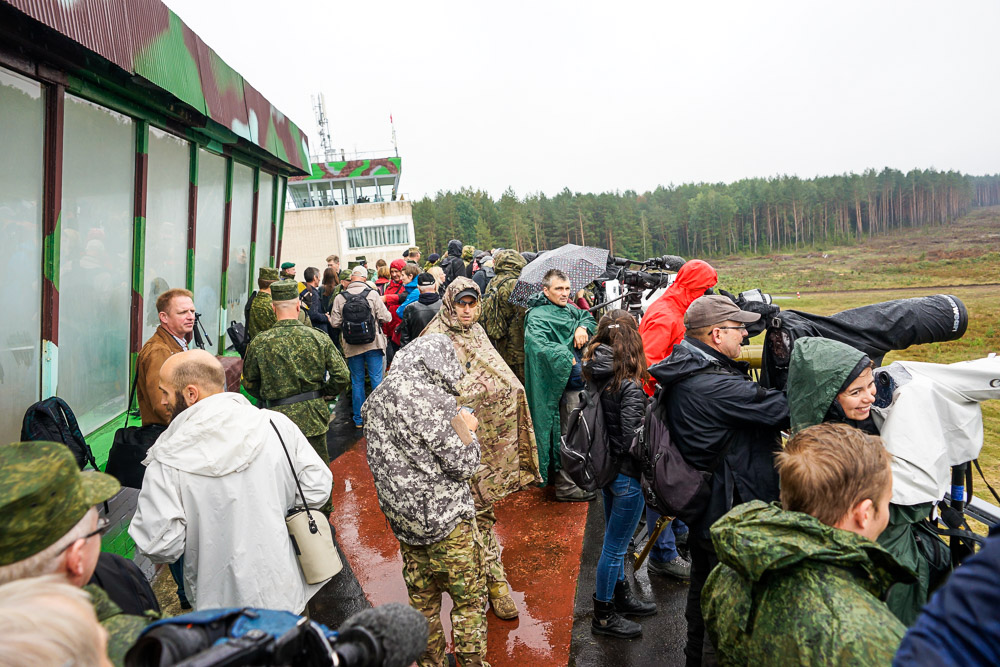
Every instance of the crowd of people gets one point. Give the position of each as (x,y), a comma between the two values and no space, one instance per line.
(796,557)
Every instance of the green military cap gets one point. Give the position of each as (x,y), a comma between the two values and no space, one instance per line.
(287,265)
(412,249)
(345,274)
(284,290)
(268,273)
(43,495)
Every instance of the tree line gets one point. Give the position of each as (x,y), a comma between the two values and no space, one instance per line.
(755,215)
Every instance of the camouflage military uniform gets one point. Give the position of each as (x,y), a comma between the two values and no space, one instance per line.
(261,317)
(453,565)
(503,320)
(421,457)
(123,629)
(790,590)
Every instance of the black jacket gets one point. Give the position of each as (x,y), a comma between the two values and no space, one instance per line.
(452,263)
(624,408)
(710,402)
(417,315)
(483,277)
(317,317)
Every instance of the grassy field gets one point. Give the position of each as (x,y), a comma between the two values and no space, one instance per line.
(962,259)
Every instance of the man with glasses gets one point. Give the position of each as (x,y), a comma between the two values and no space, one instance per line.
(49,525)
(723,423)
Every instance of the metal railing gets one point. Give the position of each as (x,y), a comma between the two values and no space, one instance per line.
(340,155)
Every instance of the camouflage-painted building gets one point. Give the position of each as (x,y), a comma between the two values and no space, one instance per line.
(133,159)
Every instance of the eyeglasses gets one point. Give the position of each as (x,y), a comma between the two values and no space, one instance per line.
(743,327)
(103,524)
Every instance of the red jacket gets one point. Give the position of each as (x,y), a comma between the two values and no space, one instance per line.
(395,294)
(662,326)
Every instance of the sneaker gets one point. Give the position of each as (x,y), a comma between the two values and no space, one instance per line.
(577,495)
(677,568)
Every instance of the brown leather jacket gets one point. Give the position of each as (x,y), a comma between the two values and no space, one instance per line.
(152,355)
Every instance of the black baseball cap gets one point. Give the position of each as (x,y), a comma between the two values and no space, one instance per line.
(425,279)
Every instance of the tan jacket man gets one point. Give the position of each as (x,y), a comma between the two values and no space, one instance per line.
(176,309)
(358,284)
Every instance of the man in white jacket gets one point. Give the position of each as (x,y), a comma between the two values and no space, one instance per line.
(217,488)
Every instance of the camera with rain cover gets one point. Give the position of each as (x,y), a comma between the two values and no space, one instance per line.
(635,281)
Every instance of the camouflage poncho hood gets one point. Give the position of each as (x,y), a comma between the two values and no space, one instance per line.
(508,263)
(790,590)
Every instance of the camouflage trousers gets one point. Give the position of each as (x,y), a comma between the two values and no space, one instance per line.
(318,443)
(486,518)
(453,565)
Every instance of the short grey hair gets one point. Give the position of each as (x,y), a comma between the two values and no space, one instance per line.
(47,621)
(550,275)
(47,560)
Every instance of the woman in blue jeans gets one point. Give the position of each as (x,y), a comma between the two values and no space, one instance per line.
(615,361)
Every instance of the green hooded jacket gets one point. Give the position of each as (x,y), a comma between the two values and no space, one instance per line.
(548,362)
(818,369)
(790,590)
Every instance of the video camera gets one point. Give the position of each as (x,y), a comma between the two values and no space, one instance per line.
(635,281)
(391,635)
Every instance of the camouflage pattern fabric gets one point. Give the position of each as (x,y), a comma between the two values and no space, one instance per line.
(123,629)
(506,435)
(261,316)
(420,454)
(790,590)
(468,252)
(291,358)
(503,320)
(488,545)
(453,565)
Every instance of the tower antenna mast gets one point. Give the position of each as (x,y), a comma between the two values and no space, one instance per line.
(325,142)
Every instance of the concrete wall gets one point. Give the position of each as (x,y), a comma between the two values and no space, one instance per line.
(311,234)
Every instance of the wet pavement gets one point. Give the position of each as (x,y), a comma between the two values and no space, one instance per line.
(550,552)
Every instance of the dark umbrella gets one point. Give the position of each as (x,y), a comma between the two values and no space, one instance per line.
(581,264)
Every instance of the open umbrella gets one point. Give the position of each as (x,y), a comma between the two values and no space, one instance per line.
(581,264)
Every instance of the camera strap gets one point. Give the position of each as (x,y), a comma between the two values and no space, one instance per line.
(312,522)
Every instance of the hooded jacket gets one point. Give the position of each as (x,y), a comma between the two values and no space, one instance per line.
(548,362)
(818,369)
(216,491)
(662,325)
(506,434)
(713,406)
(452,263)
(790,590)
(624,408)
(420,454)
(395,293)
(503,320)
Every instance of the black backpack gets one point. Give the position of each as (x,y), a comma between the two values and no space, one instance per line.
(670,485)
(358,327)
(585,452)
(246,308)
(54,421)
(238,335)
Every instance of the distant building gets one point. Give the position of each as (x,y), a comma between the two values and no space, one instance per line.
(349,208)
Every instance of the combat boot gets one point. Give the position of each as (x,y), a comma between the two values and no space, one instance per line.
(568,492)
(626,603)
(501,601)
(608,622)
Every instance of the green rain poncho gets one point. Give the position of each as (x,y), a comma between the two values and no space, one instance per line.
(548,361)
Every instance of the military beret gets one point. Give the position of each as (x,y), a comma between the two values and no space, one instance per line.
(284,290)
(43,495)
(267,273)
(287,265)
(345,274)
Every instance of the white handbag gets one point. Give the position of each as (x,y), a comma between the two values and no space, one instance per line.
(311,538)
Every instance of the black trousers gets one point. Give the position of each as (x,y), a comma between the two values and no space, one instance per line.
(699,650)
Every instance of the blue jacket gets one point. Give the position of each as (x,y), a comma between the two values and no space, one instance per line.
(412,294)
(960,625)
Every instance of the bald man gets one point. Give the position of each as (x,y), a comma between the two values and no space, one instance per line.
(217,488)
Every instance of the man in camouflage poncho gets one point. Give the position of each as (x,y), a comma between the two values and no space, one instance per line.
(503,320)
(422,451)
(261,316)
(509,454)
(804,585)
(286,366)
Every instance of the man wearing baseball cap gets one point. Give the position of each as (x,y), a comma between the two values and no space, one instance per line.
(723,423)
(49,525)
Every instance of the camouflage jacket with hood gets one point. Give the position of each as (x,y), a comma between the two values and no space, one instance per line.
(420,454)
(509,453)
(503,320)
(790,590)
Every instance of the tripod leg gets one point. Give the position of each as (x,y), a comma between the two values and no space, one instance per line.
(661,523)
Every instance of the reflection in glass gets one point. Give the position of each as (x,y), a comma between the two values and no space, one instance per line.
(208,242)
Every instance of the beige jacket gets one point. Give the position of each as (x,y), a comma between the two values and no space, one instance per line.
(152,355)
(379,310)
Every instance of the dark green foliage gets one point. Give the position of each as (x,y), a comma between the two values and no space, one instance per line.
(756,215)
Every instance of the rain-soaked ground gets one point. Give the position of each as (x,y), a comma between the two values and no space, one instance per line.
(550,552)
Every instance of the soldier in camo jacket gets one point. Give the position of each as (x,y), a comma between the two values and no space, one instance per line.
(422,451)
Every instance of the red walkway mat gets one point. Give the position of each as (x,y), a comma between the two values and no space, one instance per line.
(541,542)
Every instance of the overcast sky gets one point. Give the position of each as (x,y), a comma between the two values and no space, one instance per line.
(599,96)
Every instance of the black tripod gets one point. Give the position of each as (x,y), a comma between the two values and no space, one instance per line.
(200,337)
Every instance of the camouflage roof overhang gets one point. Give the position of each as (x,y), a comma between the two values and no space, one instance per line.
(146,39)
